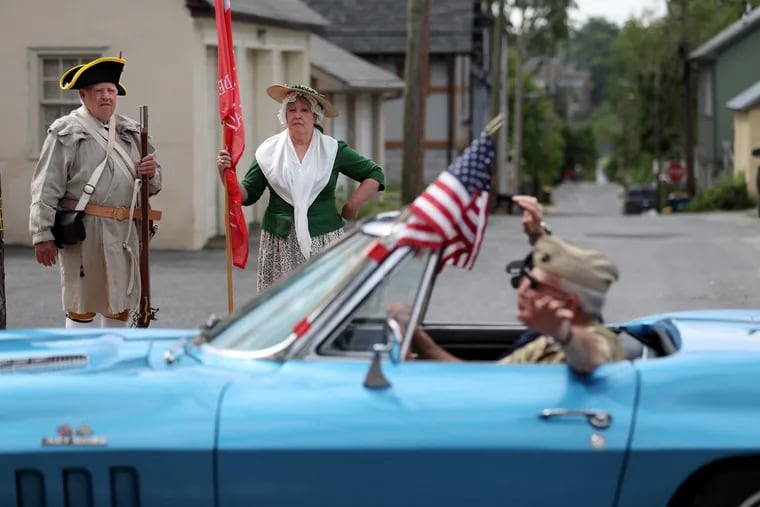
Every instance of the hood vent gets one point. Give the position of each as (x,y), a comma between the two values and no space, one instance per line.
(43,362)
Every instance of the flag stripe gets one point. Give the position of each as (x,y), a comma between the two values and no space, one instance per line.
(451,214)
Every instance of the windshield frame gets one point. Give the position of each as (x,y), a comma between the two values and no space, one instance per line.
(353,275)
(353,297)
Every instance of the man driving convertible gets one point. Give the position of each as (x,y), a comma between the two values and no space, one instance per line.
(560,297)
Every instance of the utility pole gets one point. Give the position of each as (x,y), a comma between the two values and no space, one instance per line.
(497,26)
(658,139)
(416,78)
(511,185)
(495,94)
(2,262)
(691,186)
(517,133)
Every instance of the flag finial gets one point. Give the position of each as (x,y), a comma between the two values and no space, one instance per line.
(495,124)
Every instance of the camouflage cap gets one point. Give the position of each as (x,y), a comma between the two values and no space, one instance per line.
(583,266)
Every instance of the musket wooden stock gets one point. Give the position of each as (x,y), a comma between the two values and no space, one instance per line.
(144,315)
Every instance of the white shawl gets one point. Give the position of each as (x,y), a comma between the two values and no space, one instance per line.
(298,182)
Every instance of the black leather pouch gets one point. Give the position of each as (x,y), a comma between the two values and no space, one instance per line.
(69,227)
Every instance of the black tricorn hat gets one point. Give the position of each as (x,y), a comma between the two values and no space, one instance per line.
(101,70)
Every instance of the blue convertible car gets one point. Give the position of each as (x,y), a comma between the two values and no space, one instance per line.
(303,397)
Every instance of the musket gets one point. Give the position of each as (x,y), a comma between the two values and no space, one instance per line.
(145,313)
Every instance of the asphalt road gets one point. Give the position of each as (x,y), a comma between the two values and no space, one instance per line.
(667,262)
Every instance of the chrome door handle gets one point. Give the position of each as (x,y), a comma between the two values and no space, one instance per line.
(598,419)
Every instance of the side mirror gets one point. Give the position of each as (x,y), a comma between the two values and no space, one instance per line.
(756,152)
(375,378)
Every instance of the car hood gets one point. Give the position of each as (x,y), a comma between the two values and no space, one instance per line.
(710,331)
(85,351)
(113,384)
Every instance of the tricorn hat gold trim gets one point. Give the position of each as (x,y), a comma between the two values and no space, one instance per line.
(279,92)
(101,70)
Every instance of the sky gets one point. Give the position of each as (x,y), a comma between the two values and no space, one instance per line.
(617,11)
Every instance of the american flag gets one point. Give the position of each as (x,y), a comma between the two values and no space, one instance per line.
(453,211)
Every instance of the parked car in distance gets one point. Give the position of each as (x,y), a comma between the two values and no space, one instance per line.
(639,198)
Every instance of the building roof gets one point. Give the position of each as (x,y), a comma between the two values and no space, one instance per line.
(745,99)
(727,37)
(289,13)
(366,27)
(354,72)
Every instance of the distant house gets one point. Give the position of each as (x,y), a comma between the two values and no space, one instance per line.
(358,91)
(727,66)
(746,110)
(170,48)
(569,88)
(376,31)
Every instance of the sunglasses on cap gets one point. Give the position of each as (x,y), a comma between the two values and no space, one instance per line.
(522,269)
(516,268)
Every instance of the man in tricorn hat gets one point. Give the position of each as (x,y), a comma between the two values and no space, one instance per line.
(100,274)
(560,296)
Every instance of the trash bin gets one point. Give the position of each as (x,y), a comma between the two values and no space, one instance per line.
(677,202)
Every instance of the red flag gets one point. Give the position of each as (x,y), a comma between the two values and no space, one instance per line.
(231,116)
(452,212)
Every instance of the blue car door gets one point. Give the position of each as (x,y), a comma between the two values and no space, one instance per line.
(521,434)
(441,434)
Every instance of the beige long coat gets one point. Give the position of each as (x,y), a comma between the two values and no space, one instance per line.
(98,275)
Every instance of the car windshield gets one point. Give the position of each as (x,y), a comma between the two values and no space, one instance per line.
(266,325)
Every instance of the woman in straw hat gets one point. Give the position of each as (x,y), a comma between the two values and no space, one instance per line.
(300,166)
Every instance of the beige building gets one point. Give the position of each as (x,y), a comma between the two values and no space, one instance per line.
(170,48)
(746,110)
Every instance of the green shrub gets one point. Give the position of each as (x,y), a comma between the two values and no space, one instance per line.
(727,194)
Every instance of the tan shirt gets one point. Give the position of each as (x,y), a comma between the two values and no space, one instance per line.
(544,350)
(97,275)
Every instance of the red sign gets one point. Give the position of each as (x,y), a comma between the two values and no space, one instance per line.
(676,171)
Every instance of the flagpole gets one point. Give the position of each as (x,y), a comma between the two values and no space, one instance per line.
(227,238)
(233,139)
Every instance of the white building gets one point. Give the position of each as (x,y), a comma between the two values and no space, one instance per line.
(170,48)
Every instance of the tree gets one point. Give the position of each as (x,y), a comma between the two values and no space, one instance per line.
(538,26)
(544,144)
(580,148)
(644,91)
(636,55)
(590,47)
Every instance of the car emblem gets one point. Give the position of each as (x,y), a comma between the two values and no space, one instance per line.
(597,442)
(82,435)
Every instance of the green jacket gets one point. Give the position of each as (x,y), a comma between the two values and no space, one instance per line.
(323,214)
